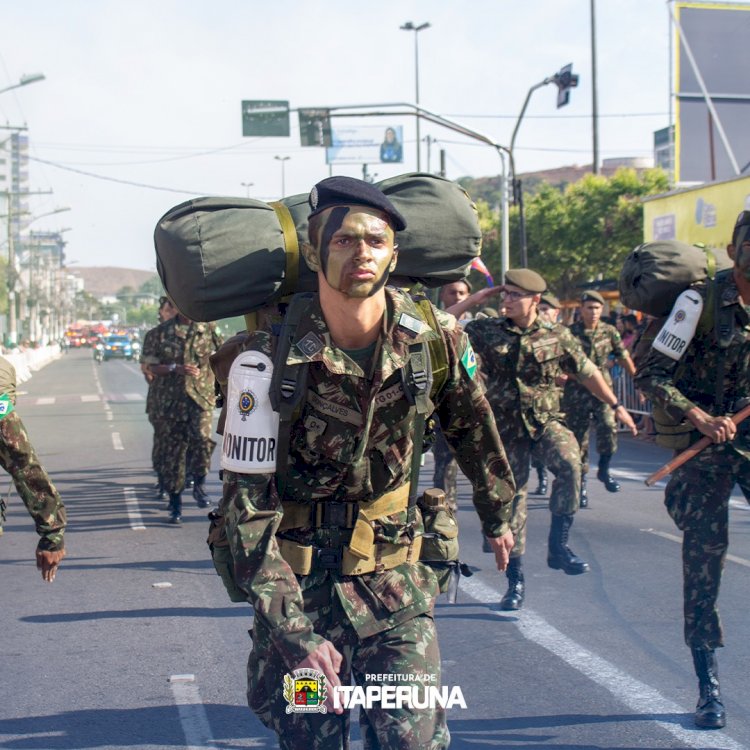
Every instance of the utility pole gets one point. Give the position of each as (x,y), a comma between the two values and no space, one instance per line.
(594,100)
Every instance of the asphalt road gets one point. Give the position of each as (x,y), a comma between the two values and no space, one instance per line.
(136,645)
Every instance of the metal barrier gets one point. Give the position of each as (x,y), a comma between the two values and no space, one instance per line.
(629,397)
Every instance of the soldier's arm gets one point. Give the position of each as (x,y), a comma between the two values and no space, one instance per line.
(252,513)
(468,425)
(621,353)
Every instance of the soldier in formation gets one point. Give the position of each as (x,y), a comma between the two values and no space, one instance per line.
(327,547)
(521,357)
(603,346)
(18,458)
(155,401)
(702,385)
(178,355)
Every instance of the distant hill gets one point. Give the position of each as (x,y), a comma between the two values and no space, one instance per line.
(106,281)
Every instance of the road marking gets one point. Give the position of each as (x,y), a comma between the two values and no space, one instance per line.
(192,713)
(636,695)
(133,396)
(117,442)
(678,539)
(90,397)
(134,510)
(45,400)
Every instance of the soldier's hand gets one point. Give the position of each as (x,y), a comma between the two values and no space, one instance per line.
(501,546)
(328,660)
(719,429)
(191,370)
(624,416)
(47,561)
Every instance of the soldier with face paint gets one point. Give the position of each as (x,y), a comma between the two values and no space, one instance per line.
(705,383)
(328,554)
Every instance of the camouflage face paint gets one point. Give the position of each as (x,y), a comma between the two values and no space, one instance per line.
(356,250)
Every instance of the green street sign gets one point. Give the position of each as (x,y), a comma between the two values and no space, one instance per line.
(265,118)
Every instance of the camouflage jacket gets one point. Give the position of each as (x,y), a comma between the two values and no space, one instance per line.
(352,441)
(520,366)
(679,385)
(176,342)
(598,344)
(155,400)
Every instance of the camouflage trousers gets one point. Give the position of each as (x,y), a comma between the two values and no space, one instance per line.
(557,449)
(188,432)
(18,458)
(697,499)
(581,408)
(410,648)
(446,470)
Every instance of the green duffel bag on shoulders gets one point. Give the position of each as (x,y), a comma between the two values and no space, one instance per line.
(222,257)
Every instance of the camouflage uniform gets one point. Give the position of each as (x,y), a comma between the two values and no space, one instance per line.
(155,402)
(520,366)
(18,458)
(352,443)
(188,402)
(580,406)
(697,495)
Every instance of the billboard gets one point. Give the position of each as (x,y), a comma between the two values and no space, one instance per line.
(265,118)
(705,213)
(716,34)
(355,144)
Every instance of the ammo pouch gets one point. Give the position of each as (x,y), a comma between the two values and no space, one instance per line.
(440,539)
(676,434)
(222,556)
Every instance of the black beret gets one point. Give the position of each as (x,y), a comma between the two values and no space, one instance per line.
(526,279)
(338,191)
(591,296)
(549,299)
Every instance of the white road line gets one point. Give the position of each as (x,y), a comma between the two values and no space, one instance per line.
(678,539)
(117,442)
(45,400)
(192,713)
(133,396)
(134,510)
(86,397)
(636,695)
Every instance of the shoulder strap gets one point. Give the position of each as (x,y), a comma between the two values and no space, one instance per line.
(437,348)
(288,384)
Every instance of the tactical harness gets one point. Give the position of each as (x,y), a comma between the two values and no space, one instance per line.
(422,378)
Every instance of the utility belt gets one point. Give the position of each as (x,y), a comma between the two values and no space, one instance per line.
(363,554)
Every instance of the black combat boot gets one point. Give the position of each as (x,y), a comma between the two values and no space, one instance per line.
(514,596)
(603,474)
(161,492)
(583,498)
(199,493)
(175,507)
(541,472)
(559,555)
(709,713)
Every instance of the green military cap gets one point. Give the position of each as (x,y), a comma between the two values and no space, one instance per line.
(526,279)
(591,296)
(549,299)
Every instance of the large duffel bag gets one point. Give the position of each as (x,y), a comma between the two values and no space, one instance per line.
(221,257)
(655,274)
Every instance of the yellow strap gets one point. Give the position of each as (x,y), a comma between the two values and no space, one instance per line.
(299,557)
(363,536)
(291,248)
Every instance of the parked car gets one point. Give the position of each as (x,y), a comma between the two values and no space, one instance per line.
(118,347)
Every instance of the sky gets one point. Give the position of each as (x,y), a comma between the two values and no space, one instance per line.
(140,108)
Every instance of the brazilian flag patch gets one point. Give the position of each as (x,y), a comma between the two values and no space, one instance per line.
(6,405)
(469,361)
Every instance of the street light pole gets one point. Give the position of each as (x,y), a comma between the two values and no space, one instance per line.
(25,81)
(282,159)
(409,26)
(247,186)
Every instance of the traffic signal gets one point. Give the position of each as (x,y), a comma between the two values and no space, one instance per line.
(565,80)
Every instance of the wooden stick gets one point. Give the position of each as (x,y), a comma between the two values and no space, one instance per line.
(692,451)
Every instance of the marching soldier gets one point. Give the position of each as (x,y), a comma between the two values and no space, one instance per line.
(521,357)
(603,346)
(327,548)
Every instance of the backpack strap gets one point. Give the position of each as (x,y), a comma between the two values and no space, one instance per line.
(437,347)
(288,384)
